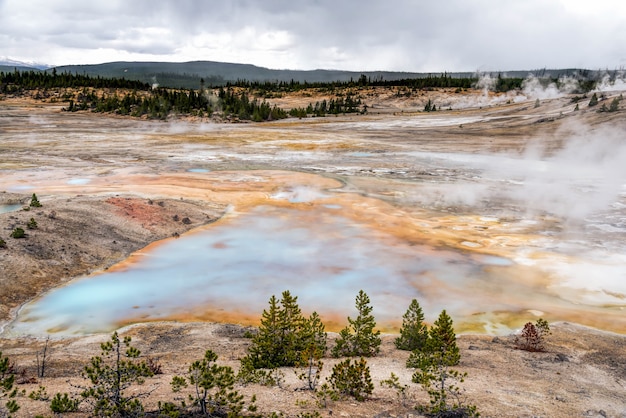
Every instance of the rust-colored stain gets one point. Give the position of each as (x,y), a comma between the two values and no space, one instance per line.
(137,210)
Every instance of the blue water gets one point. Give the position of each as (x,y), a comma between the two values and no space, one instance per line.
(237,264)
(9,208)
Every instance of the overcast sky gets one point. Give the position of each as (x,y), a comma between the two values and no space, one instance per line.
(398,35)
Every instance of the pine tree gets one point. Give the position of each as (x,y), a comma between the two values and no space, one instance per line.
(284,334)
(439,347)
(414,333)
(213,388)
(111,376)
(359,337)
(34,202)
(266,345)
(433,372)
(352,380)
(7,390)
(594,100)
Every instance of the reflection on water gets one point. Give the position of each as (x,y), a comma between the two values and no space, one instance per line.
(237,264)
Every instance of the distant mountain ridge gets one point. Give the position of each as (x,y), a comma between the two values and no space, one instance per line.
(190,74)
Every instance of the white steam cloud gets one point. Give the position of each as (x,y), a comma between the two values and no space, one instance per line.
(587,175)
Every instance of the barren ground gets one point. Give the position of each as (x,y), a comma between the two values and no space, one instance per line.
(142,192)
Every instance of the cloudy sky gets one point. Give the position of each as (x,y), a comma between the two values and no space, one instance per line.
(398,35)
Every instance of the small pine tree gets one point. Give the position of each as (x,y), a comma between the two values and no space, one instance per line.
(34,202)
(614,105)
(32,224)
(18,233)
(359,337)
(414,333)
(213,391)
(111,375)
(62,403)
(532,337)
(3,243)
(266,350)
(441,342)
(440,382)
(594,100)
(7,390)
(352,380)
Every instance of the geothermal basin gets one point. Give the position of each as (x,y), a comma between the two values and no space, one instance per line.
(497,228)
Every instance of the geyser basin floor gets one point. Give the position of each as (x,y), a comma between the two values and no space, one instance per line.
(228,271)
(442,187)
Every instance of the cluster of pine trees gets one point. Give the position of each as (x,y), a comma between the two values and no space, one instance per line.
(285,338)
(349,104)
(157,104)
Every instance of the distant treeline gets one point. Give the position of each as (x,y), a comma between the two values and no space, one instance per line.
(16,81)
(432,81)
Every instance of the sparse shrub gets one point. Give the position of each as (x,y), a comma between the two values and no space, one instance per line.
(34,202)
(394,383)
(311,365)
(39,395)
(414,333)
(32,224)
(325,394)
(248,374)
(154,366)
(111,375)
(8,392)
(18,233)
(352,380)
(62,403)
(445,396)
(3,243)
(359,337)
(532,337)
(213,388)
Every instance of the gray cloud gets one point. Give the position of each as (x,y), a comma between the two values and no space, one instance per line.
(358,35)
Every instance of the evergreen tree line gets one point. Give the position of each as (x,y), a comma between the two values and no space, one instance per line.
(333,107)
(16,81)
(431,81)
